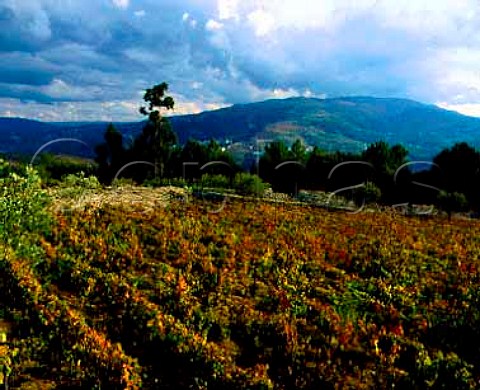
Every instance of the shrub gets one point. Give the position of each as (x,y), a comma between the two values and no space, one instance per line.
(214,181)
(79,180)
(123,182)
(248,184)
(369,193)
(22,205)
(158,182)
(52,168)
(452,201)
(76,185)
(6,168)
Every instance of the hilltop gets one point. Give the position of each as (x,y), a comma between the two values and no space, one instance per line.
(346,124)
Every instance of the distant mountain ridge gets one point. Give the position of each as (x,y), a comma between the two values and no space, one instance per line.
(345,124)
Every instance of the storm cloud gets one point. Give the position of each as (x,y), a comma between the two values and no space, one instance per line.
(92,59)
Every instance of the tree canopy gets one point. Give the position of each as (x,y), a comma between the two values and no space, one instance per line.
(157,138)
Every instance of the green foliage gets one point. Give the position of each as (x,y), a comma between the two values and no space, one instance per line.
(162,182)
(369,193)
(22,205)
(214,181)
(452,201)
(275,153)
(249,184)
(122,181)
(80,181)
(298,151)
(194,151)
(156,99)
(440,371)
(459,168)
(77,185)
(242,183)
(282,167)
(8,167)
(155,143)
(111,155)
(257,296)
(209,158)
(385,159)
(318,165)
(52,168)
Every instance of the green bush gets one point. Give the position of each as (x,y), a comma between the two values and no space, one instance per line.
(79,180)
(123,182)
(214,181)
(452,201)
(22,205)
(248,184)
(8,167)
(52,168)
(77,185)
(175,182)
(440,371)
(369,194)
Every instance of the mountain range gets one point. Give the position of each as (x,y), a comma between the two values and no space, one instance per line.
(345,124)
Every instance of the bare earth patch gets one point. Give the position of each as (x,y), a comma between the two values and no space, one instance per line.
(137,198)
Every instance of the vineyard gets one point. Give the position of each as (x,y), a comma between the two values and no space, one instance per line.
(255,296)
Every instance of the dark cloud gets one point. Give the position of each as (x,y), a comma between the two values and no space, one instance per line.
(23,93)
(227,51)
(25,68)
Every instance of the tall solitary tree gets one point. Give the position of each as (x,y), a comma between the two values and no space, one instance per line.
(157,139)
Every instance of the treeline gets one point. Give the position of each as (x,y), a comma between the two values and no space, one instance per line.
(137,162)
(381,173)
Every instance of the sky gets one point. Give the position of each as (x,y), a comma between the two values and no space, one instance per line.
(91,60)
